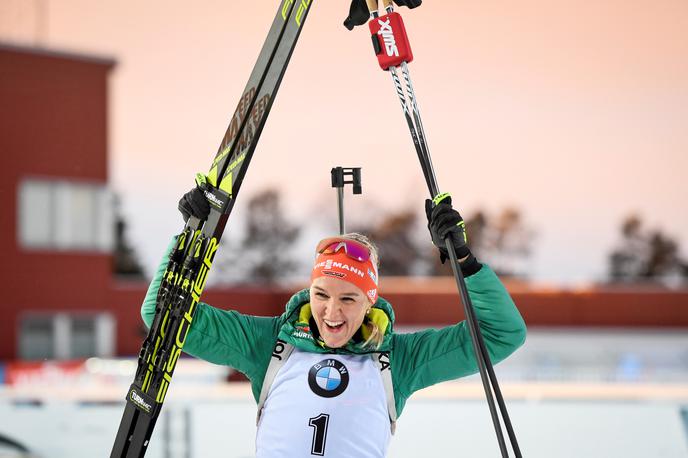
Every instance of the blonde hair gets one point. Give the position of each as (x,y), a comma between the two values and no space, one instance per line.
(377,335)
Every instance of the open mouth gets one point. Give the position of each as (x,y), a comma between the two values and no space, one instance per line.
(334,326)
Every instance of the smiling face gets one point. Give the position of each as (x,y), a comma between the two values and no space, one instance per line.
(338,308)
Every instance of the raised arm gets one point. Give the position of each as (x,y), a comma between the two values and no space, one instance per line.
(432,356)
(224,337)
(229,338)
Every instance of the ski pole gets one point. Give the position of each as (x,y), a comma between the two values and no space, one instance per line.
(392,49)
(338,181)
(418,134)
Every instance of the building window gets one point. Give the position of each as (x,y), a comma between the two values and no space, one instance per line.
(66,336)
(64,215)
(36,338)
(83,338)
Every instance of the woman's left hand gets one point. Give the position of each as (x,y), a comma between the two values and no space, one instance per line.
(444,221)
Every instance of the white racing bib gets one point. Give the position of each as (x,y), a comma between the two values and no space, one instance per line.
(333,406)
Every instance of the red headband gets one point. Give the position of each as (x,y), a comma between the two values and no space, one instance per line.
(362,274)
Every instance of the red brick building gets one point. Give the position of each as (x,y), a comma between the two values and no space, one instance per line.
(56,216)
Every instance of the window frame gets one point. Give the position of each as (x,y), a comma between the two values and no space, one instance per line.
(69,201)
(62,334)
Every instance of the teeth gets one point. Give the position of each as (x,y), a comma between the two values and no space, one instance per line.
(334,324)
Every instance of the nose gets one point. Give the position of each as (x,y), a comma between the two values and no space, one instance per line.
(332,307)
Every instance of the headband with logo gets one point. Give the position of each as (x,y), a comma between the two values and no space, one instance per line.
(362,274)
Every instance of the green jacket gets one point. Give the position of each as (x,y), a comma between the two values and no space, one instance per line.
(417,360)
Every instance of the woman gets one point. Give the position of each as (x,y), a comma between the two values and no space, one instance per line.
(330,374)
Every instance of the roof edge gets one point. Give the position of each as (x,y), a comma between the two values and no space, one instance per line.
(106,61)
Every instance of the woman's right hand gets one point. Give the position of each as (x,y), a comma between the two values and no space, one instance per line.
(194,203)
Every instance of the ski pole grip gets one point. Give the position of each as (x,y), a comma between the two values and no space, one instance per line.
(386,4)
(372,5)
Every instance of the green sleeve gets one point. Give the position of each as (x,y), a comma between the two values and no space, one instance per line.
(229,338)
(431,356)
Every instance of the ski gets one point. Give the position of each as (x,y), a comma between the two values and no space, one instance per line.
(194,252)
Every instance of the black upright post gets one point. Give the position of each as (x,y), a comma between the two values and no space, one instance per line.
(338,181)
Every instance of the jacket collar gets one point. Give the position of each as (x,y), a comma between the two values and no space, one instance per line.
(296,327)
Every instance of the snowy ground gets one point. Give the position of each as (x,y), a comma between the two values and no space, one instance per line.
(428,427)
(570,393)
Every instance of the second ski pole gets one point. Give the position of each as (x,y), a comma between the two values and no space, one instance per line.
(393,50)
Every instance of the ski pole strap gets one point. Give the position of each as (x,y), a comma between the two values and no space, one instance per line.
(280,354)
(381,360)
(440,197)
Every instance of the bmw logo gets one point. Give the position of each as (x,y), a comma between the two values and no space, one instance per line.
(328,378)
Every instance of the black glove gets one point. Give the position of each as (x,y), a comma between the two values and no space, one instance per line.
(194,203)
(359,14)
(444,221)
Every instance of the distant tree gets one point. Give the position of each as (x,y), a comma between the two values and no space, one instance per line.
(125,260)
(504,241)
(645,255)
(262,256)
(477,230)
(510,244)
(627,261)
(663,256)
(394,237)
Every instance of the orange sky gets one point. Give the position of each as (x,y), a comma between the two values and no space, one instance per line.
(575,112)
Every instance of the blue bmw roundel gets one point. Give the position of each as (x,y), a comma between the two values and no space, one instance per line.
(328,378)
